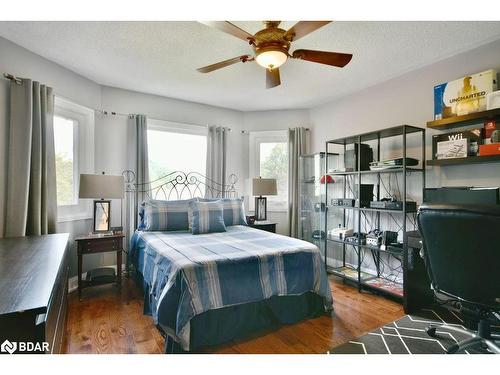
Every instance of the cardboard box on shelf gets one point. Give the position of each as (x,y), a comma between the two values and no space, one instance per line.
(488,150)
(456,144)
(489,127)
(465,95)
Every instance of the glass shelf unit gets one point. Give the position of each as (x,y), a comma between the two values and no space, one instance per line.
(312,197)
(386,143)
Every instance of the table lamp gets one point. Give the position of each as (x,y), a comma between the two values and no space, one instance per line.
(102,188)
(260,187)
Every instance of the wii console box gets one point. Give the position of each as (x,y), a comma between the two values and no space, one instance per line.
(457,144)
(464,95)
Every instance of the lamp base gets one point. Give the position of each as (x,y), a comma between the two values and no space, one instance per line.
(260,208)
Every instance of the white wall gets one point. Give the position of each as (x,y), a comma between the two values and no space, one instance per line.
(111,149)
(110,131)
(408,100)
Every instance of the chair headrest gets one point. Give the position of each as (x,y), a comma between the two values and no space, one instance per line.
(489,210)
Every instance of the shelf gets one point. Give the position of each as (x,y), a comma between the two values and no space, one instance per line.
(380,134)
(349,273)
(390,249)
(467,160)
(384,285)
(368,280)
(465,120)
(389,170)
(371,209)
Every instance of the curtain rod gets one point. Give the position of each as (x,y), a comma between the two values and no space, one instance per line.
(129,115)
(19,81)
(12,77)
(248,131)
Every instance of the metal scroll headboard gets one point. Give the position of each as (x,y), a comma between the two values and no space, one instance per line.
(173,186)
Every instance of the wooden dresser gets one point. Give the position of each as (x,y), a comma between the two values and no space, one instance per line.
(33,292)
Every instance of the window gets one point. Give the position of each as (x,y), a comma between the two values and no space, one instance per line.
(74,154)
(65,131)
(176,147)
(269,159)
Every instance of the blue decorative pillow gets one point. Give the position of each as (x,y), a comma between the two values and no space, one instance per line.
(234,210)
(207,217)
(166,215)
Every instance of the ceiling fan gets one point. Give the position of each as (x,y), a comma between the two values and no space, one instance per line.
(271,46)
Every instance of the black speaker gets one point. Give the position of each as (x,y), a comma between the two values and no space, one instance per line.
(351,158)
(365,195)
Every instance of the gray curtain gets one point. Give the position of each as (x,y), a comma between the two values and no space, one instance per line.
(138,163)
(298,140)
(216,160)
(31,174)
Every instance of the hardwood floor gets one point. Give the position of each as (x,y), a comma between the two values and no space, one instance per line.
(107,321)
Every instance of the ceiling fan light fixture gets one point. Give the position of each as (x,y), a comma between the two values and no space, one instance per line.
(271,59)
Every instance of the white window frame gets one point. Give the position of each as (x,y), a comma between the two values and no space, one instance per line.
(83,155)
(176,127)
(255,139)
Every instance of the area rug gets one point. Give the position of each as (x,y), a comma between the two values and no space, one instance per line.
(407,336)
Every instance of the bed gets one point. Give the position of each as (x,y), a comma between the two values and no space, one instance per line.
(207,289)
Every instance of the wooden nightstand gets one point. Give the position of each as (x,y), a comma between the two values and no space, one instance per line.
(268,226)
(93,244)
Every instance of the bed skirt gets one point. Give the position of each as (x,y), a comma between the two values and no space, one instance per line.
(215,327)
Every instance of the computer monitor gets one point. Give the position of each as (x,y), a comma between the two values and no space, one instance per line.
(463,195)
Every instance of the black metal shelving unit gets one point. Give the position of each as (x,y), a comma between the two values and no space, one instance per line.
(365,280)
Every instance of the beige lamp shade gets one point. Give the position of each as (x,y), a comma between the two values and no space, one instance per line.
(101,186)
(264,186)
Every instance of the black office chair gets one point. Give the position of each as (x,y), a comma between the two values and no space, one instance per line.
(462,255)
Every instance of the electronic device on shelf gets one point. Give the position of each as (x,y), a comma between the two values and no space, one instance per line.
(354,238)
(392,163)
(396,246)
(343,202)
(351,158)
(340,232)
(382,239)
(391,204)
(365,194)
(388,238)
(374,237)
(318,234)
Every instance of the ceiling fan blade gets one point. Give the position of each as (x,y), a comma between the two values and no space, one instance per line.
(272,78)
(302,28)
(229,28)
(223,64)
(328,58)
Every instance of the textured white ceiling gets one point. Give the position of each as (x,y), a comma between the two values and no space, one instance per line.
(161,57)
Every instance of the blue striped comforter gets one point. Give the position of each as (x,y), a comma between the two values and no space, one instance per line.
(186,275)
